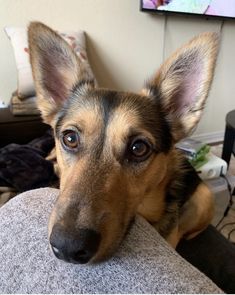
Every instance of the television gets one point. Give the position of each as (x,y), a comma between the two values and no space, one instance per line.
(208,8)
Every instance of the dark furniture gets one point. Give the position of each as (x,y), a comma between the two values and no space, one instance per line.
(213,255)
(19,129)
(229,137)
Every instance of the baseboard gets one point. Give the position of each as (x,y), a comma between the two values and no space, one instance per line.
(210,138)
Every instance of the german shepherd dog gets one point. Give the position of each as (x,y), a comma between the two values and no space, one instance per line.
(115,150)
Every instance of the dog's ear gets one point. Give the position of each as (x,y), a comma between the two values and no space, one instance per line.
(56,69)
(182,83)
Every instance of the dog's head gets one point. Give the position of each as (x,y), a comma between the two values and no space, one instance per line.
(113,148)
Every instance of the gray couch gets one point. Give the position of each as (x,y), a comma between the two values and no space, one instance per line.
(144,262)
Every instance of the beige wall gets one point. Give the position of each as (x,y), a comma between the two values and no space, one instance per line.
(125,46)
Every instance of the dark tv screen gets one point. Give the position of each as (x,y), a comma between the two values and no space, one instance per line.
(212,8)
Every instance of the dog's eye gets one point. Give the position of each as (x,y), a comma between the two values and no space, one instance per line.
(71,139)
(139,150)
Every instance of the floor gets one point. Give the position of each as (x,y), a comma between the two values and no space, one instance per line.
(227,226)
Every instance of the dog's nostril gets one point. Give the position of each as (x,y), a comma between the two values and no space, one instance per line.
(58,253)
(81,253)
(55,250)
(81,256)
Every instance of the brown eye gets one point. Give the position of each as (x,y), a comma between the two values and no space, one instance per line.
(139,150)
(71,139)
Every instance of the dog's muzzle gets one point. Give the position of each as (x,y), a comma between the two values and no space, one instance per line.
(74,247)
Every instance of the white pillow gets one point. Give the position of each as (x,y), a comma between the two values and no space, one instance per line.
(19,41)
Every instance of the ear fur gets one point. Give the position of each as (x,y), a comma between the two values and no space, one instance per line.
(182,83)
(56,68)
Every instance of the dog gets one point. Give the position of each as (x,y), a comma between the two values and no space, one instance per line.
(116,150)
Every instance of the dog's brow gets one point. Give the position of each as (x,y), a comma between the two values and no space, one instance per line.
(110,101)
(60,118)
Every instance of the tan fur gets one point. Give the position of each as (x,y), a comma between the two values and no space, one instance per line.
(153,203)
(195,217)
(174,237)
(197,212)
(100,188)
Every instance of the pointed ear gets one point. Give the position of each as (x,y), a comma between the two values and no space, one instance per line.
(56,69)
(182,83)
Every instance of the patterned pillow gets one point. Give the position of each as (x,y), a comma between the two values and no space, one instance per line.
(19,41)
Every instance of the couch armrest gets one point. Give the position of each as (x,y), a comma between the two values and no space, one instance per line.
(144,263)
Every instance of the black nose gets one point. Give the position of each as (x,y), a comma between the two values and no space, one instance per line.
(75,247)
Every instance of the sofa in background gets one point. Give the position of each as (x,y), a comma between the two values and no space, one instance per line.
(23,100)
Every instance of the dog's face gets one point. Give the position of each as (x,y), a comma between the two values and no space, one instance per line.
(113,148)
(110,156)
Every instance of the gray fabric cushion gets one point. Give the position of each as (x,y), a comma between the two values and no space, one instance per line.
(144,262)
